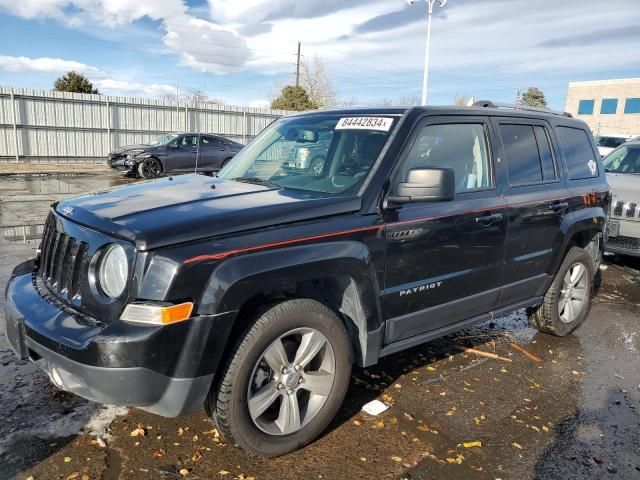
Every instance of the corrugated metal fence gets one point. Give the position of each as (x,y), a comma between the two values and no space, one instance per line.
(39,124)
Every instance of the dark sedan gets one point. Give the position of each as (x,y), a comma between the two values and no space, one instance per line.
(184,152)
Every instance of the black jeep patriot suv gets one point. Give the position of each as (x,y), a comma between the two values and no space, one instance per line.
(252,294)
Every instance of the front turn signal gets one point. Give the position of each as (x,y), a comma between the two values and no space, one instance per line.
(150,314)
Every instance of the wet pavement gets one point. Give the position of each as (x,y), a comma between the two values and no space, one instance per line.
(573,415)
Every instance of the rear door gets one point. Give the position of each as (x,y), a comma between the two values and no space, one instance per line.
(181,153)
(538,201)
(213,152)
(444,259)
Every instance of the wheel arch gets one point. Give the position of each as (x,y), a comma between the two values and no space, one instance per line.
(580,229)
(338,274)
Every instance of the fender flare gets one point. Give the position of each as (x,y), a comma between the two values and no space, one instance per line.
(583,220)
(346,264)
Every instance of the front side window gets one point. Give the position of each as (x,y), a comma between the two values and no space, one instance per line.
(625,159)
(347,145)
(462,147)
(162,140)
(581,160)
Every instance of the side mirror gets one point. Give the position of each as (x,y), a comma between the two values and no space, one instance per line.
(426,185)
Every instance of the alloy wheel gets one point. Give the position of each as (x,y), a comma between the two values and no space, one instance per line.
(573,293)
(291,381)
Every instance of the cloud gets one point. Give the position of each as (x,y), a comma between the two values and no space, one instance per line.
(389,21)
(122,87)
(207,46)
(45,64)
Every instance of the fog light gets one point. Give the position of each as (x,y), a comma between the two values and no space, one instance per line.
(150,314)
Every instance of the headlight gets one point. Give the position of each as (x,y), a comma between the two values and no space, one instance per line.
(113,271)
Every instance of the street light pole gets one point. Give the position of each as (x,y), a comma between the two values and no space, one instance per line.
(425,80)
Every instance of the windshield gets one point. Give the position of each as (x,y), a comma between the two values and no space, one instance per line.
(625,159)
(162,140)
(610,142)
(317,153)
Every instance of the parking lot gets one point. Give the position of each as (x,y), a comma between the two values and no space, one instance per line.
(546,408)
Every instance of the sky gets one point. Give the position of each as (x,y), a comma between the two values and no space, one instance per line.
(242,51)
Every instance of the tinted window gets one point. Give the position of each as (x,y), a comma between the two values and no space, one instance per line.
(576,146)
(623,160)
(462,147)
(521,150)
(546,156)
(632,105)
(609,106)
(210,141)
(585,107)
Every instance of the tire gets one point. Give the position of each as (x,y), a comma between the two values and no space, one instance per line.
(317,166)
(557,315)
(150,168)
(243,377)
(225,163)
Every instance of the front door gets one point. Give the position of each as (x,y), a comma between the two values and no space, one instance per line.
(181,153)
(212,153)
(444,259)
(538,202)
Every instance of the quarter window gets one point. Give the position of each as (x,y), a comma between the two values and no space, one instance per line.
(462,147)
(528,154)
(632,105)
(585,107)
(609,106)
(581,160)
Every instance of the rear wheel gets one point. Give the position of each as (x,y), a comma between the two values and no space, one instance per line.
(285,381)
(568,300)
(150,168)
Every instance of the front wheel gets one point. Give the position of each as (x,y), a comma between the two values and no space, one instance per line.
(568,300)
(285,381)
(150,168)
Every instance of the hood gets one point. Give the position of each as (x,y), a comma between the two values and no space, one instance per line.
(190,207)
(127,148)
(624,187)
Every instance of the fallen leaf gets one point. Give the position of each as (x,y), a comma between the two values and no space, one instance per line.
(67,459)
(431,369)
(85,477)
(138,432)
(73,475)
(223,472)
(184,472)
(364,459)
(504,370)
(196,456)
(423,428)
(516,445)
(476,443)
(397,385)
(545,428)
(30,477)
(159,453)
(575,373)
(180,431)
(378,424)
(396,459)
(357,423)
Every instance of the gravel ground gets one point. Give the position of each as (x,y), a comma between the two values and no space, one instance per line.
(453,415)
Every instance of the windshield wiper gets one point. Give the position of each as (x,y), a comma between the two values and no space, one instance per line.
(256,181)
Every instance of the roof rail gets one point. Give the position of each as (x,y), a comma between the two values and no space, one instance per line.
(513,106)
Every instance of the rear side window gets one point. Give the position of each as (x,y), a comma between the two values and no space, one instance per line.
(528,154)
(580,157)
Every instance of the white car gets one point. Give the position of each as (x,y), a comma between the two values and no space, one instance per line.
(608,143)
(623,174)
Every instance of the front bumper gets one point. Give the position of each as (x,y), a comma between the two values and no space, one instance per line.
(113,364)
(626,239)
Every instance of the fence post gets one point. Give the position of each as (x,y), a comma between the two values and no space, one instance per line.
(186,117)
(106,99)
(15,126)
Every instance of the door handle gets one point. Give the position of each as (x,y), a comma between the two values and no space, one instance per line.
(556,207)
(487,220)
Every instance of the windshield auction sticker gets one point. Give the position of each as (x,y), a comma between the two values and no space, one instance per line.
(382,124)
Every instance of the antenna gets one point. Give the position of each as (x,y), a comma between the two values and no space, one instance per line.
(195,170)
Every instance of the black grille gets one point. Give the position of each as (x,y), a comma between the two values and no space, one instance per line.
(617,209)
(631,211)
(626,243)
(61,260)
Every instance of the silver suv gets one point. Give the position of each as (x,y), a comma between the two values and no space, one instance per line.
(623,174)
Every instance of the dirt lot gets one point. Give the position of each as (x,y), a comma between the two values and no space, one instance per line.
(573,415)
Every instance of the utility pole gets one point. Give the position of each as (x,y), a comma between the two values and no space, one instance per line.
(298,67)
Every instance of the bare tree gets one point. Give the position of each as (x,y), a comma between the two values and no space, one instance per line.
(410,101)
(316,79)
(462,100)
(194,96)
